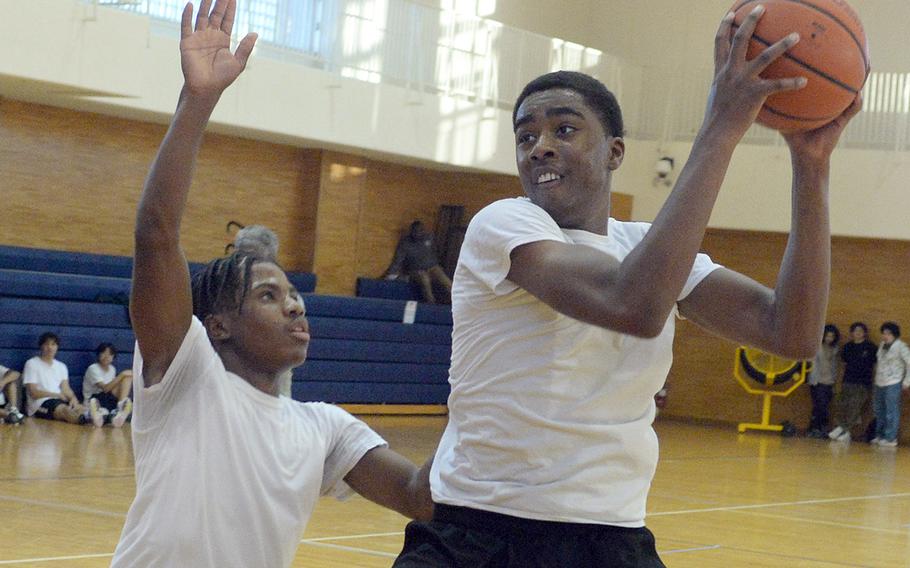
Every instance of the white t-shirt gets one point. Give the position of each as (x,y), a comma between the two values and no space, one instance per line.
(549,417)
(95,376)
(226,475)
(48,377)
(3,372)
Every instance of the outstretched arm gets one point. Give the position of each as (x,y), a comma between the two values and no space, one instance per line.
(161,302)
(388,479)
(787,320)
(590,286)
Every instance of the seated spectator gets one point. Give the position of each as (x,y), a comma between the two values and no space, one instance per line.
(415,258)
(47,385)
(9,396)
(106,393)
(261,242)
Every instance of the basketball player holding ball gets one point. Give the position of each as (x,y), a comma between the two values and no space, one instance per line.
(564,321)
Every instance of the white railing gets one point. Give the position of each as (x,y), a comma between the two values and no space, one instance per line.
(443,52)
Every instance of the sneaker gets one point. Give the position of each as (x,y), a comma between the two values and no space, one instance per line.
(120,416)
(95,413)
(19,417)
(13,416)
(836,433)
(845,437)
(888,443)
(875,441)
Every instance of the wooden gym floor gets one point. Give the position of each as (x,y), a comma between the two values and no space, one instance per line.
(719,500)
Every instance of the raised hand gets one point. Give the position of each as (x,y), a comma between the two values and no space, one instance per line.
(819,143)
(738,92)
(205,51)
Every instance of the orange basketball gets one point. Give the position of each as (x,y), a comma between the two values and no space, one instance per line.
(832,54)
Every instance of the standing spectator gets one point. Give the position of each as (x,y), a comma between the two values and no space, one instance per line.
(261,242)
(9,396)
(822,379)
(415,258)
(891,374)
(48,387)
(103,388)
(859,368)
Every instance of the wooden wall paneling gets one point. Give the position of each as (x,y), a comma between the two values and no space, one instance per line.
(341,194)
(71,181)
(868,283)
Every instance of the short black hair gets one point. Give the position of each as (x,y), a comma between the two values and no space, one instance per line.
(48,336)
(860,324)
(102,347)
(221,285)
(831,328)
(596,95)
(892,327)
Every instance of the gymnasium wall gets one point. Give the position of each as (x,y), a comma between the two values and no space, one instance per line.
(69,61)
(72,181)
(868,283)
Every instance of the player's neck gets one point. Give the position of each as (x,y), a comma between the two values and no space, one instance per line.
(47,358)
(264,381)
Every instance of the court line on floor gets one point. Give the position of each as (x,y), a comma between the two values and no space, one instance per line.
(63,506)
(56,558)
(353,536)
(693,549)
(781,504)
(823,522)
(352,549)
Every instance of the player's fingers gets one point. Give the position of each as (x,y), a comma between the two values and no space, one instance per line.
(245,48)
(773,53)
(722,40)
(744,33)
(227,25)
(186,20)
(217,14)
(772,86)
(202,18)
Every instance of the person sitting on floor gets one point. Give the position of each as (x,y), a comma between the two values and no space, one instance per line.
(9,396)
(47,385)
(106,393)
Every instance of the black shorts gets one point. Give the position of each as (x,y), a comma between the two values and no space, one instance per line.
(106,400)
(47,408)
(459,537)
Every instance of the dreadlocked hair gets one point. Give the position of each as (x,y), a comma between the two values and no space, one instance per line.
(222,284)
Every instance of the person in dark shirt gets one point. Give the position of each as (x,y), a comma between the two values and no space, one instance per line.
(859,370)
(415,258)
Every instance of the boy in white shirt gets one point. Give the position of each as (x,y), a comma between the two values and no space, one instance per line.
(106,393)
(9,396)
(564,322)
(228,471)
(47,385)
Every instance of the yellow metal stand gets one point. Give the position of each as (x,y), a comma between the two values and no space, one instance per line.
(767,393)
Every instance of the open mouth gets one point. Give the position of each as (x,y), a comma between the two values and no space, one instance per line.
(547,179)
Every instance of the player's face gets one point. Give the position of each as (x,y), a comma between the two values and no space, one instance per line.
(565,159)
(271,331)
(49,349)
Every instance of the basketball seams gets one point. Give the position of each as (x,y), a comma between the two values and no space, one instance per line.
(839,22)
(809,67)
(774,111)
(862,49)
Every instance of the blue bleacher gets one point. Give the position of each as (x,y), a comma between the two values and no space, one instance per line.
(387,289)
(361,351)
